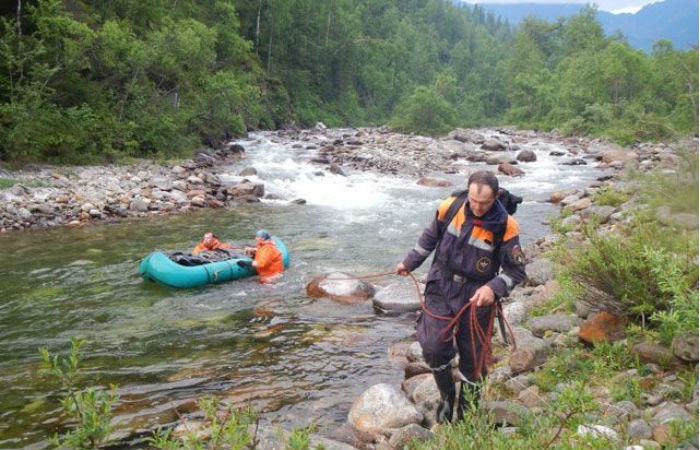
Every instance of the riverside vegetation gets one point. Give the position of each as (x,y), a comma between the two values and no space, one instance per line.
(97,82)
(90,412)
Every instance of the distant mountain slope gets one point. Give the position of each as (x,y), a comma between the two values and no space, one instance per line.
(676,20)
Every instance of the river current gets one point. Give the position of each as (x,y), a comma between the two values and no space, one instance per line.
(293,358)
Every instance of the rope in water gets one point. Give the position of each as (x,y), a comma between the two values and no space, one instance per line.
(478,334)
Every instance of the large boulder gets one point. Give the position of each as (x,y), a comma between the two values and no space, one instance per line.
(510,170)
(655,353)
(561,323)
(669,412)
(515,313)
(618,154)
(493,145)
(245,188)
(426,394)
(685,346)
(404,436)
(603,327)
(558,196)
(602,212)
(340,287)
(139,204)
(397,296)
(530,352)
(500,158)
(462,135)
(162,183)
(527,156)
(540,271)
(381,407)
(506,412)
(579,205)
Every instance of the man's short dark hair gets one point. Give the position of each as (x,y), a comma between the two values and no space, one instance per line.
(484,178)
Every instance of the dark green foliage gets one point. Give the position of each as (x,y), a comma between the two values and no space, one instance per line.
(425,112)
(650,267)
(93,81)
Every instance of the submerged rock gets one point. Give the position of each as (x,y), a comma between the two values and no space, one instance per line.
(433,182)
(340,287)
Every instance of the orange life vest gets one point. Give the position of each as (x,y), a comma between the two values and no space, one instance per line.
(213,246)
(269,261)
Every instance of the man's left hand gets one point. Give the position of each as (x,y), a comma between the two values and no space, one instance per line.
(483,296)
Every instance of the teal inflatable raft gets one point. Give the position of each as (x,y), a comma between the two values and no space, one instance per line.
(159,267)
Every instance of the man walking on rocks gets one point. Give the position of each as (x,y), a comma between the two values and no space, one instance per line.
(473,237)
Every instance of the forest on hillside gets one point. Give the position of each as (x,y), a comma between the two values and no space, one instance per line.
(102,80)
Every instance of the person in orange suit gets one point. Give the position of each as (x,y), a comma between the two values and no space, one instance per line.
(210,242)
(268,260)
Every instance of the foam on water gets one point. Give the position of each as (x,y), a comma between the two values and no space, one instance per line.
(289,174)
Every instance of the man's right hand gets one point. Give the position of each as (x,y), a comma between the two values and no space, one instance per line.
(401,270)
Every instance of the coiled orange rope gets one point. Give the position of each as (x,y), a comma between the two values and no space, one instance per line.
(452,327)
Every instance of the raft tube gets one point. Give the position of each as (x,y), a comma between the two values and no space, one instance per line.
(160,268)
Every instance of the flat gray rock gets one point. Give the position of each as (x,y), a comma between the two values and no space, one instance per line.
(540,271)
(507,412)
(403,436)
(400,296)
(669,412)
(638,429)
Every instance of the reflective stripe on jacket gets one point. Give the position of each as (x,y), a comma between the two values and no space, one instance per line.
(470,247)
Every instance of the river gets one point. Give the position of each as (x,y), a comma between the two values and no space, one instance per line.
(293,358)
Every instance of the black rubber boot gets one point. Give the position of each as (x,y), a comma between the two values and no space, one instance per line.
(446,386)
(469,394)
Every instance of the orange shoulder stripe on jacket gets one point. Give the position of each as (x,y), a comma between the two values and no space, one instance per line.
(444,206)
(512,229)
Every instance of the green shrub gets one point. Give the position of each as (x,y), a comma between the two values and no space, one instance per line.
(299,438)
(630,267)
(230,429)
(90,408)
(424,112)
(681,314)
(554,428)
(609,197)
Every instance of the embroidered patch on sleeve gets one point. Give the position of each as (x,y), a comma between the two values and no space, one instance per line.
(517,256)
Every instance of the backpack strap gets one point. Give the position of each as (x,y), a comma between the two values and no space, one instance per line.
(458,203)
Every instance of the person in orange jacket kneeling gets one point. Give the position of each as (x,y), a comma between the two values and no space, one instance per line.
(210,242)
(268,260)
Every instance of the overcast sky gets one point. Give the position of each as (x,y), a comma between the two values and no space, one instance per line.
(615,6)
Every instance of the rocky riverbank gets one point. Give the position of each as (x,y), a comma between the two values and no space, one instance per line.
(49,196)
(645,403)
(388,416)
